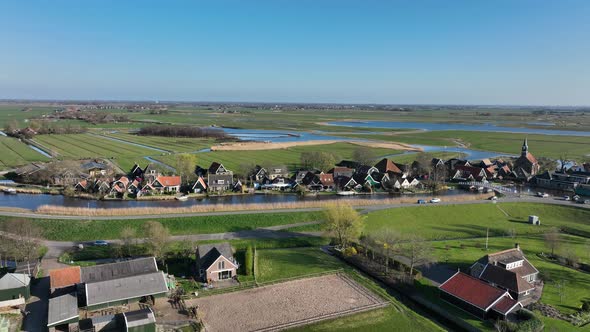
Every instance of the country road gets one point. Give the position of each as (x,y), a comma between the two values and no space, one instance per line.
(365,209)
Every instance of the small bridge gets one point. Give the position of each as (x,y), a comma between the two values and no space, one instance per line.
(495,187)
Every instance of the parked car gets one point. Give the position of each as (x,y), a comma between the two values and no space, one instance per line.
(435,200)
(584,201)
(542,195)
(101,243)
(494,198)
(566,198)
(421,201)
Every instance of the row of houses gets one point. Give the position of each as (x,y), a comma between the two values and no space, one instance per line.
(82,291)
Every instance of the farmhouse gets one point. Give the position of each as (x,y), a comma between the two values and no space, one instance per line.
(200,186)
(14,289)
(216,262)
(95,169)
(219,178)
(166,184)
(508,270)
(478,297)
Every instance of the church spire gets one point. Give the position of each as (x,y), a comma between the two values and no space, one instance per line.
(525,147)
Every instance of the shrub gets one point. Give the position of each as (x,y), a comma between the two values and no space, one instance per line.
(249,261)
(350,251)
(586,305)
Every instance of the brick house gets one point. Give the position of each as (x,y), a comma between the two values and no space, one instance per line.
(216,262)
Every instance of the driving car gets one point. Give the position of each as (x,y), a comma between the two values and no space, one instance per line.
(101,243)
(435,200)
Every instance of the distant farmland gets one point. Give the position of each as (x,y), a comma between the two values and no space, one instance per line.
(16,153)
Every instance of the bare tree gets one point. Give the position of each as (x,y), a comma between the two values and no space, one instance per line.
(388,242)
(418,251)
(344,223)
(128,236)
(26,236)
(552,240)
(157,237)
(363,155)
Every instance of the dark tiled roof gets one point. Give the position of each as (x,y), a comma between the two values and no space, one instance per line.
(125,288)
(62,308)
(119,270)
(472,290)
(506,279)
(209,253)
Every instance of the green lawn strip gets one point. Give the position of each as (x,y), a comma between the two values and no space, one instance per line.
(473,220)
(463,253)
(85,230)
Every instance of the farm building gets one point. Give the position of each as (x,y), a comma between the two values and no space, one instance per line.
(478,297)
(14,289)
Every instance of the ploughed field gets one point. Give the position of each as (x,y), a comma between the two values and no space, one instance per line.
(287,304)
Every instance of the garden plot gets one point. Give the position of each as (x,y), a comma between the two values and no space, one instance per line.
(285,305)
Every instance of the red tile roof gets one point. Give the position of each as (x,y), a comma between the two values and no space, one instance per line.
(169,181)
(472,290)
(64,277)
(505,305)
(386,165)
(531,158)
(327,179)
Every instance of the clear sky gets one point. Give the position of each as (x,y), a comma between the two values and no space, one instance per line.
(412,51)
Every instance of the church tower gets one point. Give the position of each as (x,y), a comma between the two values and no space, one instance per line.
(525,148)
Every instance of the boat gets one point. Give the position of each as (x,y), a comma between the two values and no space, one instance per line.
(10,191)
(181,198)
(346,193)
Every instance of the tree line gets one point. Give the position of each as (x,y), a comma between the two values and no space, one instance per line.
(182,131)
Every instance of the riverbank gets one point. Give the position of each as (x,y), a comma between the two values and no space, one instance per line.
(85,212)
(248,146)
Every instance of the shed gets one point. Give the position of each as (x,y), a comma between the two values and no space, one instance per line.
(534,220)
(63,310)
(14,289)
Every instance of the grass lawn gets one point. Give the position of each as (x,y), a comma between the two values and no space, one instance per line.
(290,157)
(275,264)
(86,230)
(472,220)
(16,153)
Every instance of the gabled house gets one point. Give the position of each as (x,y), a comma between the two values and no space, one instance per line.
(366,170)
(200,186)
(219,178)
(327,181)
(477,297)
(344,183)
(166,184)
(277,171)
(134,187)
(349,164)
(509,270)
(381,179)
(120,186)
(258,174)
(388,166)
(82,186)
(95,169)
(216,262)
(312,181)
(469,173)
(101,186)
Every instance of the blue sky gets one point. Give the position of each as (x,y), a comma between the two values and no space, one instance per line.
(448,52)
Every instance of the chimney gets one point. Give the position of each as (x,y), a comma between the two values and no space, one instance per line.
(517,246)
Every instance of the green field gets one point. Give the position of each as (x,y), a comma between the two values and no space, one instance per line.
(549,146)
(85,230)
(274,264)
(473,220)
(80,146)
(172,144)
(15,153)
(291,157)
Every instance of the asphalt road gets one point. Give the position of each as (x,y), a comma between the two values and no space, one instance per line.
(366,209)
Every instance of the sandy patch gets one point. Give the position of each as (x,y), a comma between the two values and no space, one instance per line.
(246,146)
(284,305)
